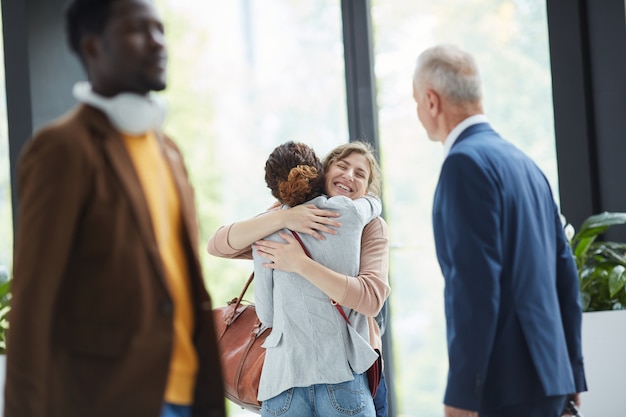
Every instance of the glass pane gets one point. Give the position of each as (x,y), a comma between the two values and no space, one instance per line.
(6,216)
(509,39)
(245,76)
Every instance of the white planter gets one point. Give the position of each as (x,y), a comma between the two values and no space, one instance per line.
(604,353)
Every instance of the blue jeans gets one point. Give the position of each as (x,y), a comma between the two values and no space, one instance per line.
(173,410)
(350,398)
(380,400)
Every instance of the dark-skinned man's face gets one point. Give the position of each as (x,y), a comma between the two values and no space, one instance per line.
(130,55)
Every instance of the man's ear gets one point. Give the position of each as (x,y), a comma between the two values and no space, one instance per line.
(90,48)
(434,102)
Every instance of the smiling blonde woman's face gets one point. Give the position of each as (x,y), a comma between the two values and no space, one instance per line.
(348,176)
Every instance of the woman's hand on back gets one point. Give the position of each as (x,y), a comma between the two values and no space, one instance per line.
(289,256)
(286,256)
(309,219)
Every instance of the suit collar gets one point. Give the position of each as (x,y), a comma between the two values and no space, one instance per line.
(455,134)
(472,130)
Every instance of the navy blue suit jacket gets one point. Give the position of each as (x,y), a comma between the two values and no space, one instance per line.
(512,300)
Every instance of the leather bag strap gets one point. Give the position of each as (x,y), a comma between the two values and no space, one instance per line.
(231,317)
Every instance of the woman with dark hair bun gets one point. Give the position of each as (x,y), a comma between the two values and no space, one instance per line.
(294,174)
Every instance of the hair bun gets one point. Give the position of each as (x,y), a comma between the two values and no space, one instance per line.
(297,186)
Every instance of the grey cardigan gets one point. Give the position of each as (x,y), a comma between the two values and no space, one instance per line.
(310,342)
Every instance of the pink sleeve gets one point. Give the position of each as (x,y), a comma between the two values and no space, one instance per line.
(367,292)
(218,246)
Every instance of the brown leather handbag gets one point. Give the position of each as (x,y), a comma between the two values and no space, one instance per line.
(240,335)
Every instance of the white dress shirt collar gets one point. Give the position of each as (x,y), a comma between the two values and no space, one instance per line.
(454,134)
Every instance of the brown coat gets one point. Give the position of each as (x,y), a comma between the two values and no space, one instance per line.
(91,319)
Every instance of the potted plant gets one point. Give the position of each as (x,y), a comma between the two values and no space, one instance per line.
(601,264)
(602,276)
(5,296)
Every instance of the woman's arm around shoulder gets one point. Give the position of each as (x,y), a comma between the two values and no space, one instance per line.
(235,240)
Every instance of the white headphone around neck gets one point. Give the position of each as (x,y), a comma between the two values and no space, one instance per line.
(130,113)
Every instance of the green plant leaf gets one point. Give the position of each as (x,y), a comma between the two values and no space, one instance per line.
(615,256)
(589,233)
(5,298)
(581,247)
(617,280)
(5,287)
(598,224)
(603,220)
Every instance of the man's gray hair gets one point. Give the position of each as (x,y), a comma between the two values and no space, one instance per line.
(450,71)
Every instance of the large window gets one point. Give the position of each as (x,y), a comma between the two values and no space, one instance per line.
(244,77)
(510,41)
(6,219)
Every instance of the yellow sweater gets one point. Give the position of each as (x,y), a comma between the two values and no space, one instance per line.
(162,197)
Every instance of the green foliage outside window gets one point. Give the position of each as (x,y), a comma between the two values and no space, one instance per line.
(5,296)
